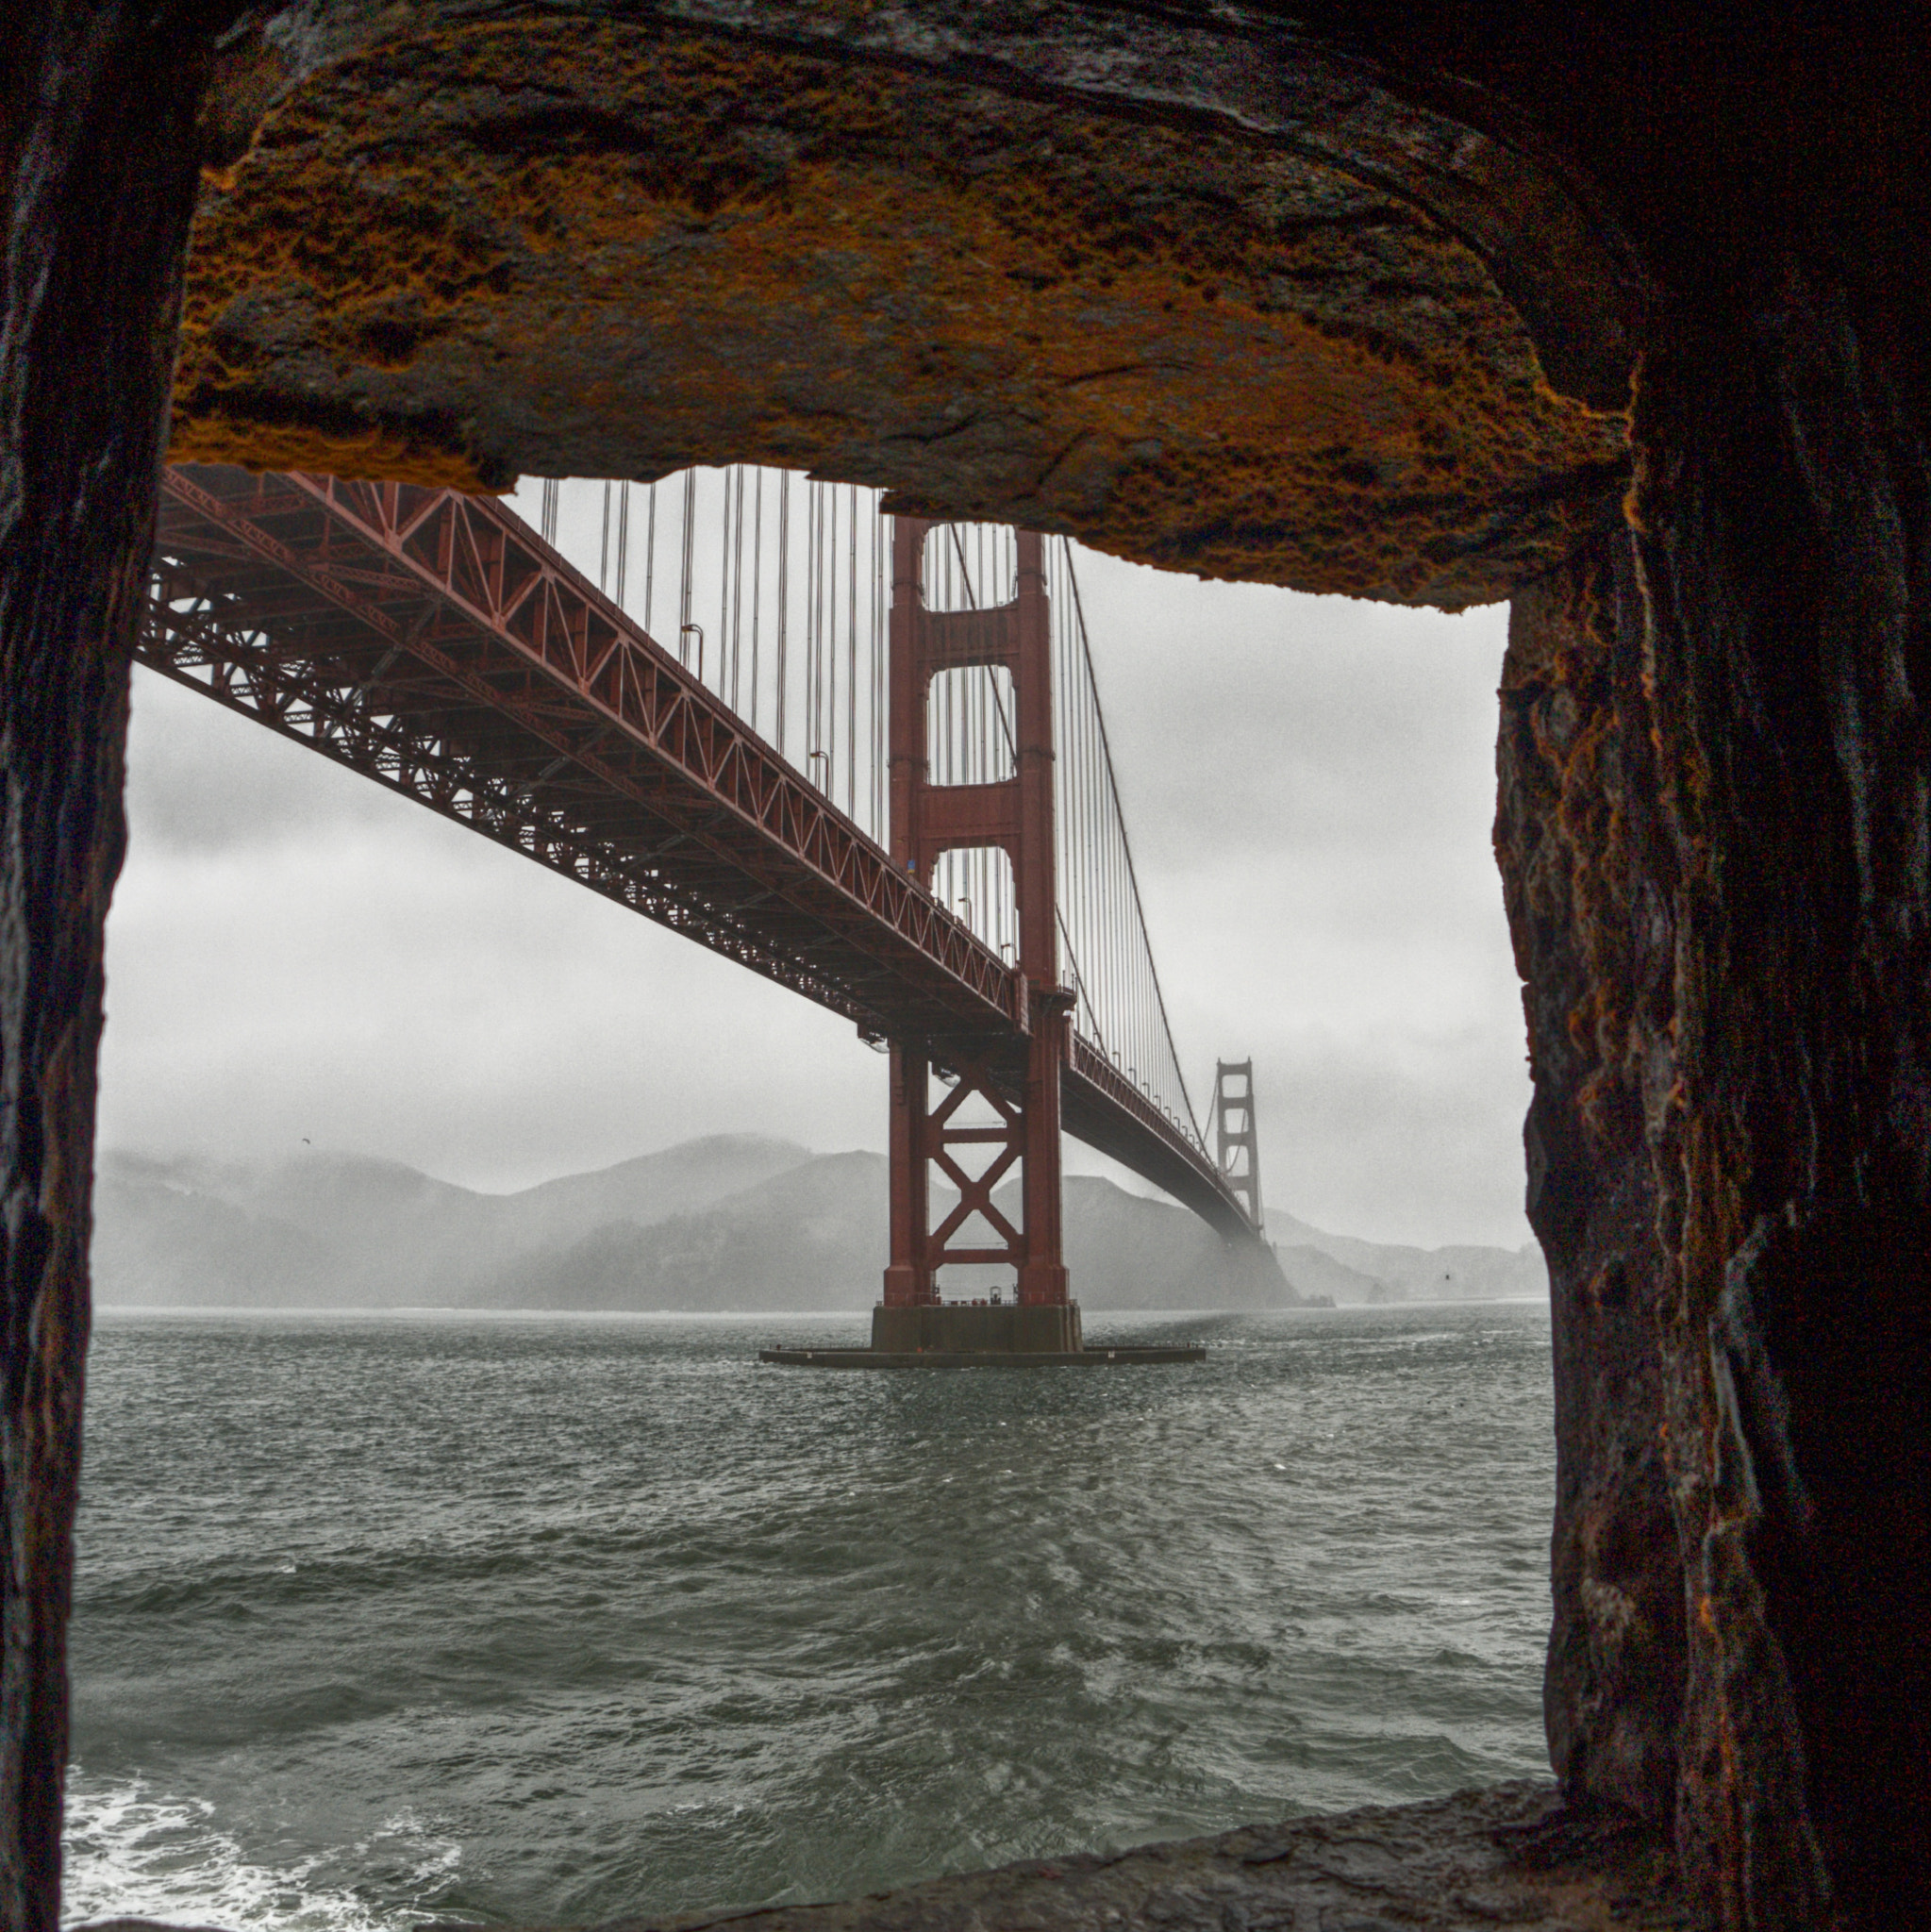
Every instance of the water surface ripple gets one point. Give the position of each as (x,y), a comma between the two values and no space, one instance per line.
(548,1619)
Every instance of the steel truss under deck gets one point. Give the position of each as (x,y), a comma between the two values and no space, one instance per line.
(435,643)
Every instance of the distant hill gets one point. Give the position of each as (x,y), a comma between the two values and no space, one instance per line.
(653,1187)
(1380,1272)
(1318,1273)
(814,1238)
(160,1238)
(808,1238)
(345,1231)
(729,1223)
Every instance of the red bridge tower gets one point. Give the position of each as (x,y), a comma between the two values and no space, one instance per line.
(928,820)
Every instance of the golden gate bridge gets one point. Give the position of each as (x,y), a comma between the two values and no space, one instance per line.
(873,767)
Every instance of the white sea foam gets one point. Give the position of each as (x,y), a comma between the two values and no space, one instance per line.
(135,1853)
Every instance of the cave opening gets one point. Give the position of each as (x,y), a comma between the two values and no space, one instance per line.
(1354,306)
(464,1013)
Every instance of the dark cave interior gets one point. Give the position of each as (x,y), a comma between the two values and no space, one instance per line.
(1619,313)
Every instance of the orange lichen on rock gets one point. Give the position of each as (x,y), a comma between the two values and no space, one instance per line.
(379,449)
(613,251)
(1594,946)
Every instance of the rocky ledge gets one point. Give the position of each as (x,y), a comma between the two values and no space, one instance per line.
(1506,1856)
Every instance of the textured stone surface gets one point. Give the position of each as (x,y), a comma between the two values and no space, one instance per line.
(96,214)
(1594,946)
(1713,831)
(1782,515)
(1348,301)
(591,248)
(1503,1856)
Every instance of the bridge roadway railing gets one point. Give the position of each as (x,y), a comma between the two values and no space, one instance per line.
(435,642)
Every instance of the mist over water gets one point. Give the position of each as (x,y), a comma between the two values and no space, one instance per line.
(387,1617)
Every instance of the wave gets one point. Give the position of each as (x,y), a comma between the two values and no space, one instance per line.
(135,1853)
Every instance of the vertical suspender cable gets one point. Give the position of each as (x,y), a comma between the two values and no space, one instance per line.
(756,578)
(737,587)
(1103,912)
(821,731)
(622,539)
(830,637)
(827,643)
(684,576)
(811,628)
(814,564)
(723,629)
(784,596)
(852,652)
(1122,945)
(879,548)
(827,640)
(650,554)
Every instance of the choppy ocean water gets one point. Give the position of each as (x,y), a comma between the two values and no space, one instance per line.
(385,1619)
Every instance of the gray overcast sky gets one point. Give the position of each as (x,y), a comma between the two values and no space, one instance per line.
(1309,783)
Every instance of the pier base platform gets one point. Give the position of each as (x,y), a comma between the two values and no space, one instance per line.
(966,1334)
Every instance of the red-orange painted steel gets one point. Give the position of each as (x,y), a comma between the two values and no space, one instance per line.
(1237,1135)
(447,612)
(928,820)
(435,643)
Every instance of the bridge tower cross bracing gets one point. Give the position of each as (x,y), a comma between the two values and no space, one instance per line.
(929,820)
(1237,1141)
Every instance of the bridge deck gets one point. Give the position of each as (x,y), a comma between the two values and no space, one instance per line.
(434,643)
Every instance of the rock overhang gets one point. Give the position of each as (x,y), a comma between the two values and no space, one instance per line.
(568,243)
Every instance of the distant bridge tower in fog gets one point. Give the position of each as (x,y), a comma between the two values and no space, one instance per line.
(1237,1140)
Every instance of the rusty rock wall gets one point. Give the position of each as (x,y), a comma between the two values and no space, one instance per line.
(591,248)
(96,211)
(1713,832)
(1594,946)
(1780,515)
(1349,302)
